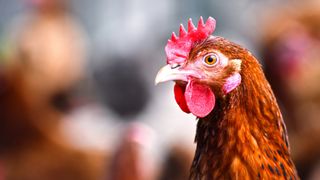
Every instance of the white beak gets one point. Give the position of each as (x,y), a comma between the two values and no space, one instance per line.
(173,73)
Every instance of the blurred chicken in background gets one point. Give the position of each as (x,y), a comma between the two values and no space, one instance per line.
(129,161)
(43,66)
(291,49)
(177,162)
(48,49)
(31,145)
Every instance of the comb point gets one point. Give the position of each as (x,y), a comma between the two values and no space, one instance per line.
(191,26)
(174,37)
(182,31)
(211,21)
(210,24)
(201,23)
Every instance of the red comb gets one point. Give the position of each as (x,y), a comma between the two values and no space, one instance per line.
(178,48)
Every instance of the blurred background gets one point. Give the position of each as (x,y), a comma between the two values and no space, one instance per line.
(77,94)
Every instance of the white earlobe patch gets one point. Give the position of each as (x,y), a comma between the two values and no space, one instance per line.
(236,63)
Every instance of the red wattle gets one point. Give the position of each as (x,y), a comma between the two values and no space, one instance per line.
(180,99)
(195,98)
(199,98)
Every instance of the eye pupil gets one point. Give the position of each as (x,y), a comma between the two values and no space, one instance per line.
(210,59)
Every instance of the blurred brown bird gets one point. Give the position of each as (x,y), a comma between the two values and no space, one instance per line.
(31,144)
(292,65)
(240,132)
(128,161)
(177,163)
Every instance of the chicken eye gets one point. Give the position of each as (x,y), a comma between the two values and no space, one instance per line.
(210,59)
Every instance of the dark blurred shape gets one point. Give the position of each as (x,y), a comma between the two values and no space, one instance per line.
(62,100)
(123,87)
(177,163)
(129,161)
(291,49)
(16,120)
(316,173)
(2,172)
(2,79)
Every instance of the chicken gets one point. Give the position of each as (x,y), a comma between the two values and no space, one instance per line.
(129,161)
(49,48)
(32,146)
(240,132)
(177,163)
(292,65)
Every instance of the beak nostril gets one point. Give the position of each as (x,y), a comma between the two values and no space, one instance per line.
(174,66)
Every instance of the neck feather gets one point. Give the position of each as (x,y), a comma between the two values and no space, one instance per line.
(244,136)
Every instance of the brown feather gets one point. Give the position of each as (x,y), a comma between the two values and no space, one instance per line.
(244,137)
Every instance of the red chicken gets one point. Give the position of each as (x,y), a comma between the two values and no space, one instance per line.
(240,132)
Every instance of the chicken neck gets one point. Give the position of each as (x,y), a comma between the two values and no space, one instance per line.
(244,136)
